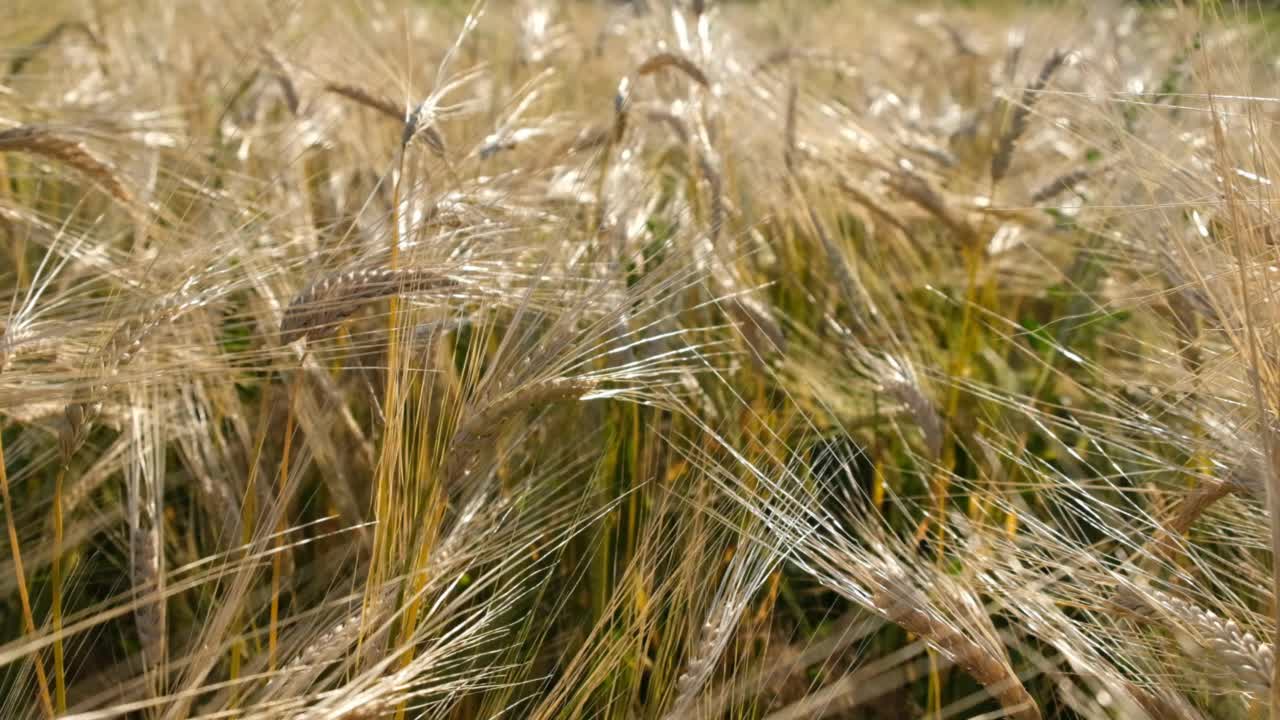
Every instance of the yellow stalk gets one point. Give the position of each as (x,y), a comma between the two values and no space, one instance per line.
(46,703)
(59,666)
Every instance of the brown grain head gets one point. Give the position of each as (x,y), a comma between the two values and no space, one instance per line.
(906,608)
(45,142)
(319,308)
(1003,156)
(662,60)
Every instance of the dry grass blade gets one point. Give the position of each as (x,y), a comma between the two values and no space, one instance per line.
(749,570)
(480,429)
(854,294)
(310,307)
(408,119)
(789,128)
(147,575)
(924,412)
(1018,122)
(144,489)
(44,142)
(121,348)
(991,671)
(820,58)
(920,191)
(104,466)
(874,206)
(672,121)
(26,54)
(755,321)
(1249,659)
(1165,544)
(360,96)
(709,166)
(1163,706)
(413,127)
(46,700)
(662,60)
(592,138)
(330,646)
(284,77)
(621,109)
(324,304)
(1065,182)
(1189,511)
